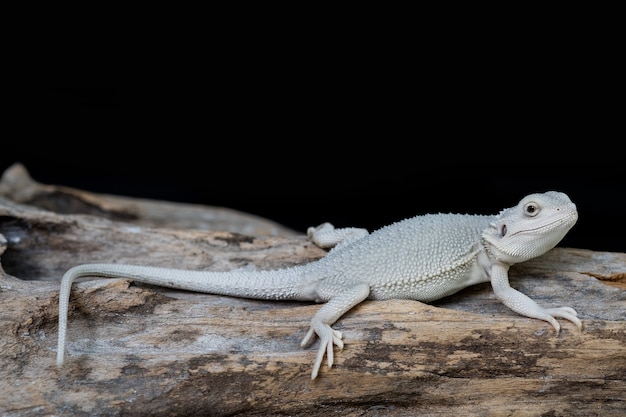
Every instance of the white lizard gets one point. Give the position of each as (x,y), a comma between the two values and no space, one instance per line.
(422,258)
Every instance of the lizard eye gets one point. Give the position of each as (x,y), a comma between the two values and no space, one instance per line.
(531,209)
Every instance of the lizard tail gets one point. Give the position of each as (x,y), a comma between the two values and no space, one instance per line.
(285,284)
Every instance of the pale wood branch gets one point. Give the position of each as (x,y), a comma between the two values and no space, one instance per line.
(141,350)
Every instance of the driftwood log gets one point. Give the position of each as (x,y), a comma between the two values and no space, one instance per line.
(140,350)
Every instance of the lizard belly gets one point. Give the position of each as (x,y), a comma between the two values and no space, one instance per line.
(430,288)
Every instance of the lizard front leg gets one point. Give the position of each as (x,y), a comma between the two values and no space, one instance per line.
(524,305)
(325,317)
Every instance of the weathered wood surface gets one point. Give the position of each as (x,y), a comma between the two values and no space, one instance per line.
(140,350)
(17,185)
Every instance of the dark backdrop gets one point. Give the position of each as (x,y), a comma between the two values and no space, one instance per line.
(349,153)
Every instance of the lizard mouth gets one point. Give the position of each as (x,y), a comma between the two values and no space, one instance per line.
(570,220)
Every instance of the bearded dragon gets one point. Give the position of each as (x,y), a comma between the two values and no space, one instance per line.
(422,258)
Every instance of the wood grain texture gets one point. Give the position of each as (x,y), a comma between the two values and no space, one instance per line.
(142,350)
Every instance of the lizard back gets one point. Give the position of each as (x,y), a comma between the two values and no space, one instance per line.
(421,258)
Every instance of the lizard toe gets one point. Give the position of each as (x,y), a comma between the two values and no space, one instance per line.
(328,339)
(566,313)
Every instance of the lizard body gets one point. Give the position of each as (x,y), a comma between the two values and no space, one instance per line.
(422,258)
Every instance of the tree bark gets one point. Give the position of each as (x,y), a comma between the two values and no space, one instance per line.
(143,350)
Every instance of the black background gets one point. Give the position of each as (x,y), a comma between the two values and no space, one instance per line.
(344,150)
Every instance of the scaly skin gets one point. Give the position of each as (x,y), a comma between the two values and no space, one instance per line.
(422,258)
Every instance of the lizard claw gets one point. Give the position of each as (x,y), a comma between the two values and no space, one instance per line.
(566,313)
(328,338)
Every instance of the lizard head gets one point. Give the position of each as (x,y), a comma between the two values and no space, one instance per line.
(533,227)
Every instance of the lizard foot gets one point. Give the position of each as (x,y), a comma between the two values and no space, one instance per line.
(566,313)
(324,235)
(328,338)
(327,236)
(322,228)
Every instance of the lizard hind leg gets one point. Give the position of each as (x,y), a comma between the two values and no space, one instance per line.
(325,317)
(327,236)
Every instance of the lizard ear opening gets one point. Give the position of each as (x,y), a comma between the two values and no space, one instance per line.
(503,230)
